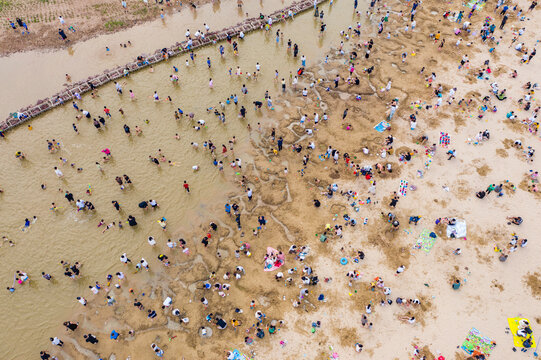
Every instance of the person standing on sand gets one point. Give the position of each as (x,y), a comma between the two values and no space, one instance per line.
(62,35)
(89,338)
(186,186)
(82,300)
(56,341)
(71,326)
(504,20)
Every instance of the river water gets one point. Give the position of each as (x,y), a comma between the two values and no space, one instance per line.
(35,310)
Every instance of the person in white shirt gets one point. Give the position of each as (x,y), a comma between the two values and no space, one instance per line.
(124,259)
(58,172)
(82,300)
(167,302)
(56,341)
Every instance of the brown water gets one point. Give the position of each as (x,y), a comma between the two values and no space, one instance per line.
(36,75)
(34,312)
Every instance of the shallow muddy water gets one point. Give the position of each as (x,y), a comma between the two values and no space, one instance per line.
(35,310)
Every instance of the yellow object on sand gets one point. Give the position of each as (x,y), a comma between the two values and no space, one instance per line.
(514,326)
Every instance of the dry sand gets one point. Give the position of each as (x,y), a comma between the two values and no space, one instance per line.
(491,292)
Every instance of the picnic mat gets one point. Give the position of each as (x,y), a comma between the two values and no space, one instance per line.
(459,230)
(517,340)
(477,342)
(425,242)
(382,126)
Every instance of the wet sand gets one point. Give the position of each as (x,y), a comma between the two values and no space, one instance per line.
(491,291)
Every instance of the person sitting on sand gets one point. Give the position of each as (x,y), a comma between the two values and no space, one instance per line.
(157,350)
(409,319)
(517,220)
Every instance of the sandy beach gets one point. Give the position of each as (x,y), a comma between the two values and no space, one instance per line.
(382,204)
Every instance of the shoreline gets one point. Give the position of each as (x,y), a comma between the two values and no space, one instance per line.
(82,87)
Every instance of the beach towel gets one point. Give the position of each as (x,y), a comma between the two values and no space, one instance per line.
(275,260)
(518,340)
(403,189)
(480,5)
(458,230)
(426,241)
(476,342)
(382,126)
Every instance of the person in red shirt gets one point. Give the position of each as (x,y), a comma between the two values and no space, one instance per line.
(186,186)
(107,111)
